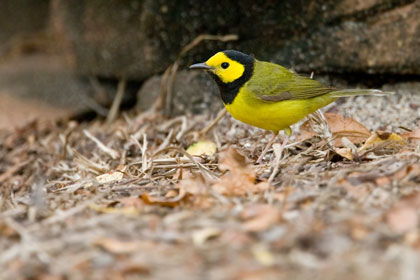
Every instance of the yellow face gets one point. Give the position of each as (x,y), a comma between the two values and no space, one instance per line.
(226,69)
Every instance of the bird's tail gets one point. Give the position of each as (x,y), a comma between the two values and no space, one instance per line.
(354,92)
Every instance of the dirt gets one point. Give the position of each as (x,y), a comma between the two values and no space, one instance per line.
(99,201)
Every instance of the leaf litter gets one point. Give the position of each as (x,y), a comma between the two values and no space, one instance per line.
(156,204)
(133,198)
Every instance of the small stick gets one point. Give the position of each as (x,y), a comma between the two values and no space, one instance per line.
(219,116)
(113,112)
(143,149)
(111,152)
(12,170)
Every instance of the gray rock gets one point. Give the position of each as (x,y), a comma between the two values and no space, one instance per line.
(22,17)
(193,92)
(40,87)
(139,38)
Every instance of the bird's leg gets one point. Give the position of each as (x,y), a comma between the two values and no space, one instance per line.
(269,144)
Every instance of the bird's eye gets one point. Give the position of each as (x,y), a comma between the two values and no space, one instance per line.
(225,65)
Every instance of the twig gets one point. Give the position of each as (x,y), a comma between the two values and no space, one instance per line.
(167,141)
(207,37)
(113,112)
(202,168)
(219,116)
(12,170)
(111,152)
(143,149)
(91,165)
(184,128)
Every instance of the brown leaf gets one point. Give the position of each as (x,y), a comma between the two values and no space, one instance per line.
(240,179)
(260,217)
(340,127)
(171,194)
(402,219)
(403,216)
(345,153)
(412,170)
(202,235)
(412,135)
(164,201)
(132,201)
(354,187)
(121,247)
(415,134)
(113,210)
(6,231)
(133,269)
(195,184)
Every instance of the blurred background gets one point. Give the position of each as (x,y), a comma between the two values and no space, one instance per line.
(61,59)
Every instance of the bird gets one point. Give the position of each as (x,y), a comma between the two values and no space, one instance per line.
(268,95)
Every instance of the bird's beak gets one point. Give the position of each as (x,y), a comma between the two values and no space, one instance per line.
(202,66)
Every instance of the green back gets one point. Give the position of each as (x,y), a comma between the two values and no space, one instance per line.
(272,83)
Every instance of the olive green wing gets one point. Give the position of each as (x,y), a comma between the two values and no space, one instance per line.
(272,83)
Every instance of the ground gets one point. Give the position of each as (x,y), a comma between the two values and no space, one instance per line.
(124,200)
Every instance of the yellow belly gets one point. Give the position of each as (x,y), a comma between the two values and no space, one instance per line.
(273,116)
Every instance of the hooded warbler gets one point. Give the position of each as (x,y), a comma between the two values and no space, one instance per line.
(267,95)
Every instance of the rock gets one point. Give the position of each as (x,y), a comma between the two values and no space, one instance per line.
(371,40)
(39,87)
(21,17)
(140,38)
(193,92)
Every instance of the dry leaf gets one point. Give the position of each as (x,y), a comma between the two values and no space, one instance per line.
(195,184)
(167,202)
(133,269)
(387,140)
(132,201)
(6,231)
(201,236)
(109,177)
(410,170)
(339,126)
(404,217)
(413,135)
(241,178)
(171,194)
(263,255)
(207,148)
(112,210)
(354,187)
(345,153)
(260,217)
(121,247)
(198,187)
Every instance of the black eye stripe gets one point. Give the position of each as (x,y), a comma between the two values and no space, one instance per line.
(225,65)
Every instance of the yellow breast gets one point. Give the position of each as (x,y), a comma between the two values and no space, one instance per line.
(274,116)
